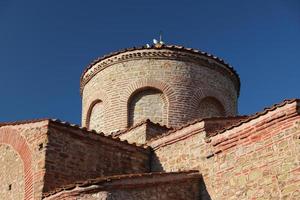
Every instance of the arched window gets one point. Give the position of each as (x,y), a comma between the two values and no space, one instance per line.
(210,107)
(95,117)
(149,103)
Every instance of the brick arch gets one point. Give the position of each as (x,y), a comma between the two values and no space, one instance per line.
(12,138)
(200,94)
(144,84)
(141,92)
(89,112)
(213,105)
(90,101)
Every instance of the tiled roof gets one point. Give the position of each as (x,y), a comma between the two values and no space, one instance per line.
(147,121)
(243,119)
(256,115)
(109,179)
(194,122)
(23,122)
(166,47)
(69,125)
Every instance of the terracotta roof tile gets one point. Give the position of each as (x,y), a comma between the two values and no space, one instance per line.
(256,115)
(23,122)
(243,119)
(74,126)
(166,47)
(101,180)
(192,123)
(147,121)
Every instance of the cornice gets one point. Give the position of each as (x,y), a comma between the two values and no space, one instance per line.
(166,52)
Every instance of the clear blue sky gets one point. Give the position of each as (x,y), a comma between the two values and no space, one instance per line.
(45,45)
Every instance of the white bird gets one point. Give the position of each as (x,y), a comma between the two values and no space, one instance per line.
(155,41)
(147,45)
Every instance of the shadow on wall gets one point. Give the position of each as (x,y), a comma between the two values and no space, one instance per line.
(156,166)
(204,195)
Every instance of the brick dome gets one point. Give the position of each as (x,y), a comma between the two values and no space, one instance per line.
(170,85)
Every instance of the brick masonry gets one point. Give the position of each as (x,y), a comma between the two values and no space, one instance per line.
(232,157)
(137,134)
(25,143)
(210,107)
(86,155)
(183,83)
(147,104)
(96,116)
(254,157)
(155,186)
(47,154)
(142,132)
(258,159)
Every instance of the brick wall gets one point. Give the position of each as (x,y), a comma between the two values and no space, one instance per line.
(257,159)
(176,191)
(177,186)
(184,83)
(96,116)
(142,132)
(74,155)
(137,134)
(22,160)
(210,107)
(180,150)
(153,130)
(147,104)
(38,156)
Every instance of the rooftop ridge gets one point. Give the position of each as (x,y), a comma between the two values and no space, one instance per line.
(256,115)
(192,123)
(244,119)
(67,124)
(147,121)
(75,126)
(107,179)
(23,122)
(163,47)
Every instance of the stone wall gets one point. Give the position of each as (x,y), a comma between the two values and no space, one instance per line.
(22,159)
(41,155)
(167,186)
(154,130)
(147,104)
(142,132)
(170,191)
(183,82)
(256,159)
(11,174)
(96,117)
(74,155)
(136,134)
(180,150)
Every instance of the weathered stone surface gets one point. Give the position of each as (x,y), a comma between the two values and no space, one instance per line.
(142,132)
(26,144)
(96,118)
(165,186)
(256,160)
(37,157)
(11,174)
(147,104)
(85,155)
